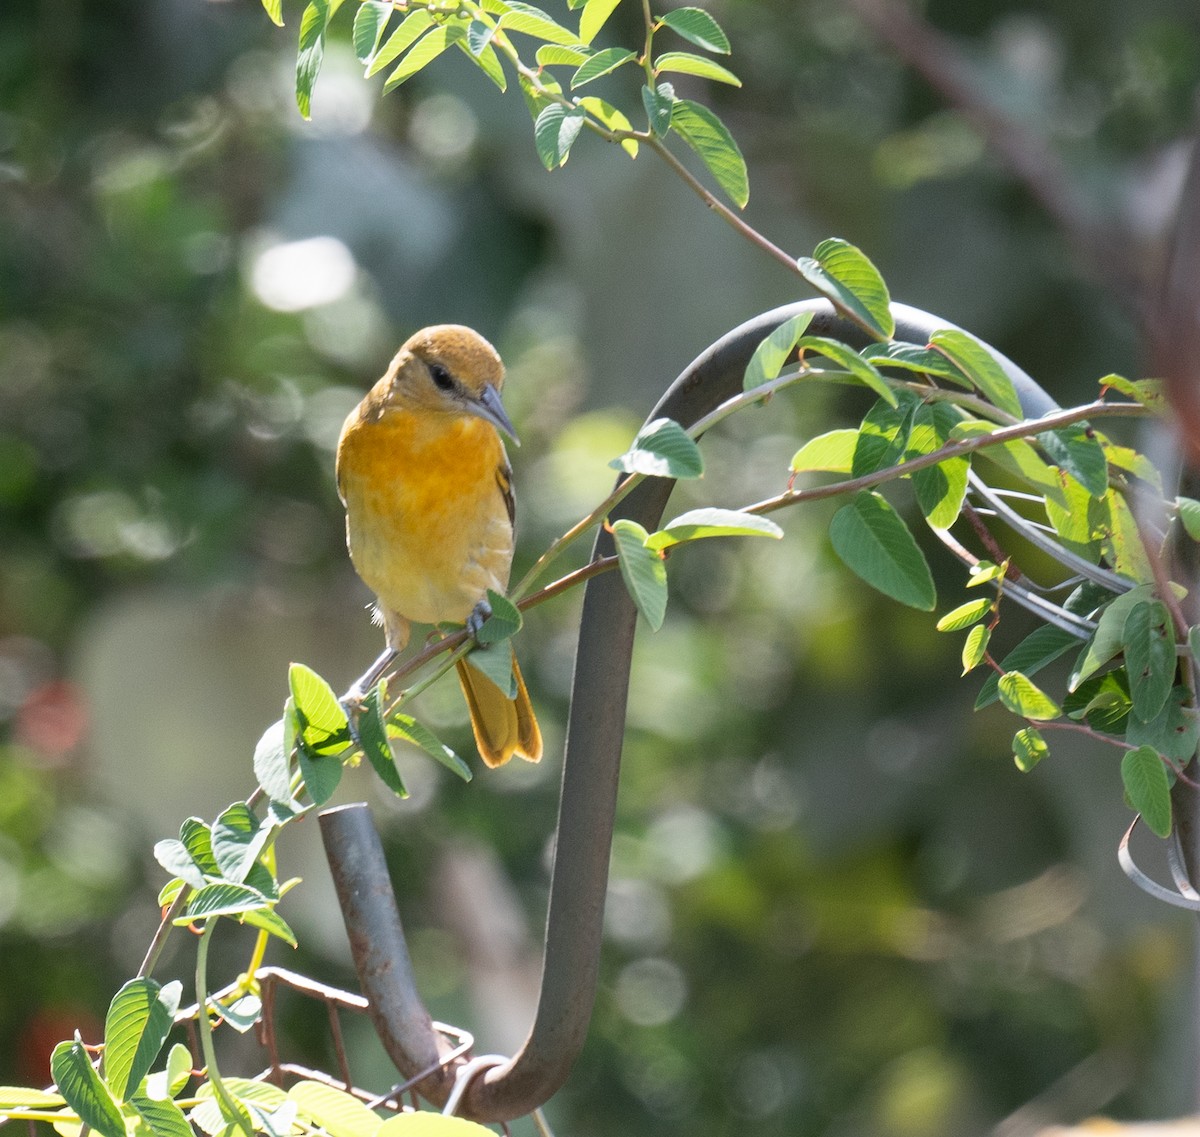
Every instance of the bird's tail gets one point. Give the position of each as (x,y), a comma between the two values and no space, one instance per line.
(503,726)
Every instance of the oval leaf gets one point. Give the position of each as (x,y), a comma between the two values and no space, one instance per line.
(222,899)
(855,364)
(698,523)
(965,615)
(663,449)
(238,837)
(372,734)
(1149,789)
(139,1018)
(832,452)
(411,28)
(1029,748)
(425,1124)
(594,16)
(322,719)
(424,52)
(874,542)
(1023,697)
(369,21)
(163,1117)
(643,570)
(272,766)
(601,64)
(419,735)
(555,132)
(843,273)
(696,26)
(658,102)
(503,623)
(1149,640)
(975,647)
(83,1090)
(769,357)
(339,1114)
(708,136)
(685,63)
(980,366)
(612,119)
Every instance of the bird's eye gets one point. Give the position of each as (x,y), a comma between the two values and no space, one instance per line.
(441,377)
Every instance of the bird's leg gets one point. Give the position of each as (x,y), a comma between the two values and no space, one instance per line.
(478,617)
(352,700)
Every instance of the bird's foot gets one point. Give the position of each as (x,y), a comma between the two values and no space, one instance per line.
(479,616)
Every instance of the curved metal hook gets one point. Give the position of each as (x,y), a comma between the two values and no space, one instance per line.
(595,731)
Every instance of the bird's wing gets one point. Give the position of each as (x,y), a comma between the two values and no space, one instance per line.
(504,481)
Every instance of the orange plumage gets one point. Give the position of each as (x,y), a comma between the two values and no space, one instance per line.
(422,471)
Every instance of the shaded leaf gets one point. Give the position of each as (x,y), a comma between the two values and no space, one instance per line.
(658,102)
(1102,701)
(698,523)
(163,1117)
(311,52)
(883,435)
(602,63)
(238,837)
(372,733)
(1174,731)
(708,136)
(1149,640)
(1148,788)
(417,734)
(83,1090)
(555,132)
(844,274)
(643,570)
(696,26)
(174,857)
(272,764)
(321,773)
(1148,392)
(496,662)
(855,364)
(873,541)
(910,357)
(663,449)
(504,622)
(369,21)
(139,1018)
(772,353)
(1076,449)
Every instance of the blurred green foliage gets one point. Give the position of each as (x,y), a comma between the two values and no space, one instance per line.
(835,905)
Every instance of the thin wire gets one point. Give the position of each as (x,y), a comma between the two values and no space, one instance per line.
(1186,897)
(465,1075)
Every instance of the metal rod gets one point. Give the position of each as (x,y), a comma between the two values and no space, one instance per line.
(591,768)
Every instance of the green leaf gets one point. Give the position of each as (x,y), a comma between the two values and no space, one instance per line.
(487,61)
(612,119)
(269,921)
(272,766)
(1017,456)
(369,21)
(504,622)
(965,615)
(844,274)
(417,734)
(555,131)
(83,1090)
(698,523)
(139,1018)
(174,857)
(1077,450)
(910,357)
(559,55)
(339,1114)
(222,899)
(1102,701)
(479,36)
(208,1115)
(1173,732)
(535,100)
(274,9)
(772,353)
(1122,545)
(1029,748)
(874,542)
(197,838)
(643,570)
(411,28)
(372,733)
(940,489)
(1148,392)
(238,837)
(984,572)
(685,63)
(883,434)
(179,1069)
(1149,789)
(241,1014)
(662,449)
(975,647)
(1083,522)
(696,26)
(854,363)
(311,52)
(980,366)
(321,718)
(594,16)
(321,773)
(708,136)
(1127,459)
(531,21)
(1149,639)
(163,1117)
(424,52)
(601,63)
(832,451)
(22,1097)
(496,662)
(658,102)
(1037,650)
(1025,698)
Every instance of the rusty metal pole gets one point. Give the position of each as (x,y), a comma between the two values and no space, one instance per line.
(591,768)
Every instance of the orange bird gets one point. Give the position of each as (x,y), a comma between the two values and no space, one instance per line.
(422,471)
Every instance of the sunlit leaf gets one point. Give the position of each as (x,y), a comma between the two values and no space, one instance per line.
(1123,547)
(311,52)
(1029,748)
(369,21)
(965,615)
(975,647)
(1037,650)
(873,541)
(611,119)
(910,357)
(601,63)
(832,451)
(175,858)
(1148,392)
(980,366)
(83,1090)
(772,353)
(883,434)
(321,717)
(424,52)
(269,921)
(238,837)
(272,766)
(696,26)
(338,1113)
(411,28)
(844,274)
(643,571)
(940,489)
(1189,516)
(699,523)
(555,131)
(861,369)
(662,449)
(139,1018)
(274,9)
(1023,697)
(1149,789)
(222,899)
(163,1117)
(685,63)
(560,55)
(197,838)
(984,572)
(425,1124)
(708,136)
(531,21)
(594,16)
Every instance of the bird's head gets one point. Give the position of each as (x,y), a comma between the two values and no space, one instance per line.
(450,370)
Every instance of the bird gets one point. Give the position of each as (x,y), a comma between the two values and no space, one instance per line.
(425,479)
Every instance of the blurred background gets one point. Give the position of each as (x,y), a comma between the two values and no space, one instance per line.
(836,907)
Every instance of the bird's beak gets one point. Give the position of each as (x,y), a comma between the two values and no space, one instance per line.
(489,408)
